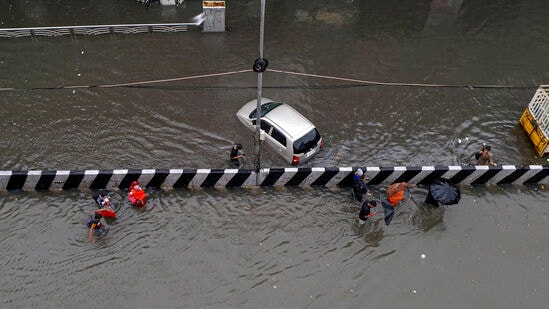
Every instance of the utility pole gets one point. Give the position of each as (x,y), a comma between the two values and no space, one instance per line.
(260,65)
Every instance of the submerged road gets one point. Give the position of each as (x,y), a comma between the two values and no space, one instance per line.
(273,246)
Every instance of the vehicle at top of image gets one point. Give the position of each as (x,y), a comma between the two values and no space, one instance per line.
(287,132)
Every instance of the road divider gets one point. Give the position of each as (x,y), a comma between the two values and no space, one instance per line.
(297,176)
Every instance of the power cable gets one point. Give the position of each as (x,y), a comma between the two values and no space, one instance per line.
(355,83)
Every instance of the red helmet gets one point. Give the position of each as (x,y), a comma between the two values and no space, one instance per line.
(133,184)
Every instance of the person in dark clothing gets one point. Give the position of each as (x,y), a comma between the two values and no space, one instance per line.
(94,223)
(359,186)
(236,154)
(365,211)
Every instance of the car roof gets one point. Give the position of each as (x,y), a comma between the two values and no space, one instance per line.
(289,120)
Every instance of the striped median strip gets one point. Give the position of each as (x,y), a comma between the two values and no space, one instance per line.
(300,176)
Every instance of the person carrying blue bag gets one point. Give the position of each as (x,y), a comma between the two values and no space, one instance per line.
(359,186)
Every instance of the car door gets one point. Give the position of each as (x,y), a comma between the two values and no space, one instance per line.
(268,128)
(275,139)
(280,143)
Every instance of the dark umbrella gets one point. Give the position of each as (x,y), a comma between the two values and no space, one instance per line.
(389,211)
(442,191)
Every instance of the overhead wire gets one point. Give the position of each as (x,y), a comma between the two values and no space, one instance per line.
(376,83)
(355,83)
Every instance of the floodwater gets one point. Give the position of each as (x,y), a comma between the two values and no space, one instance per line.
(274,247)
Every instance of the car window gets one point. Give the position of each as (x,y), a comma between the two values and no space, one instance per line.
(278,136)
(265,108)
(307,142)
(265,126)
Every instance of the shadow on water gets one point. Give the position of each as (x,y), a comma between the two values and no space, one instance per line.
(371,232)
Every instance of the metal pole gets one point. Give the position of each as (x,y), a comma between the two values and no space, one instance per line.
(259,66)
(261,29)
(257,162)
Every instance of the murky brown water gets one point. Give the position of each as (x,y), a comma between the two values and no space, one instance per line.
(272,247)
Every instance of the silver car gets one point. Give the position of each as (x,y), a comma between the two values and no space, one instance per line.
(288,132)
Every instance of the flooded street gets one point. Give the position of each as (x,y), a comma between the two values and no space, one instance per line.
(466,72)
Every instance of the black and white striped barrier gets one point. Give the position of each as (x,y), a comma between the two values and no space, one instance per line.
(302,176)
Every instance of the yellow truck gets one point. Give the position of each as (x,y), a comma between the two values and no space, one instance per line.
(535,120)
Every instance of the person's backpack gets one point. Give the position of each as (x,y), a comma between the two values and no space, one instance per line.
(477,155)
(90,221)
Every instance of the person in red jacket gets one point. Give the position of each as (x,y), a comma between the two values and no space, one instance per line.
(395,193)
(133,184)
(137,196)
